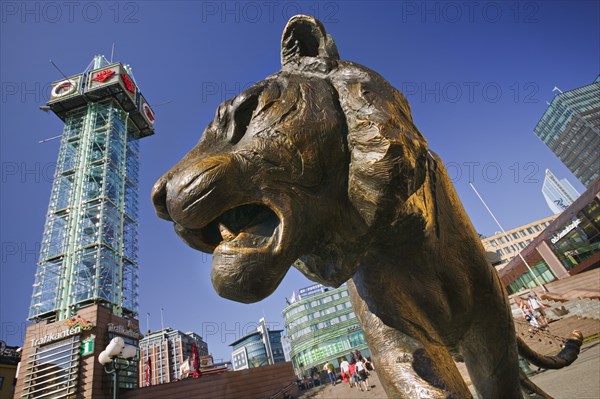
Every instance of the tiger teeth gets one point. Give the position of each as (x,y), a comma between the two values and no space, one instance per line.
(226,234)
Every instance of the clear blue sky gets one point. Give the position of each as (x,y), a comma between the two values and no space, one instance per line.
(478,75)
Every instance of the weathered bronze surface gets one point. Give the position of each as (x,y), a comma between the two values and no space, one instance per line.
(322,162)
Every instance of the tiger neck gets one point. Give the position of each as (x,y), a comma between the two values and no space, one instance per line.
(420,258)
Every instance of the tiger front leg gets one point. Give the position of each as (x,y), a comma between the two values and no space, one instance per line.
(406,367)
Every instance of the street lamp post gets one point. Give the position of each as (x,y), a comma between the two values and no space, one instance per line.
(118,354)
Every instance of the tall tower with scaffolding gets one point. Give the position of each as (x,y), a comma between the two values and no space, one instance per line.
(89,247)
(85,287)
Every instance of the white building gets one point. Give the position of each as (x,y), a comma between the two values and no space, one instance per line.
(559,194)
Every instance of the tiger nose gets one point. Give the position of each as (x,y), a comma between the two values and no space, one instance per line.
(159,198)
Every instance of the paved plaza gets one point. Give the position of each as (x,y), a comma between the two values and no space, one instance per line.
(580,380)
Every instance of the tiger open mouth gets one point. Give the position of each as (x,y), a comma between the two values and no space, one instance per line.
(245,226)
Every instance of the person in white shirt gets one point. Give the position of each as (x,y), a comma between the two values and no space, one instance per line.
(345,367)
(538,309)
(362,373)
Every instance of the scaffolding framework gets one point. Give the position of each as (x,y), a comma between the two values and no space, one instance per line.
(89,247)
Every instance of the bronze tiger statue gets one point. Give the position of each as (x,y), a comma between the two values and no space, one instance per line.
(321,162)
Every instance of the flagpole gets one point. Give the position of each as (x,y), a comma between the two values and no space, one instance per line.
(148,322)
(162,324)
(509,239)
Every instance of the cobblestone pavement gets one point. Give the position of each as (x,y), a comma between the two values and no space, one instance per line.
(580,380)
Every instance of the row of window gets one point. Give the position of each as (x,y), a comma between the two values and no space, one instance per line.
(329,350)
(526,280)
(524,233)
(319,313)
(324,324)
(512,249)
(317,302)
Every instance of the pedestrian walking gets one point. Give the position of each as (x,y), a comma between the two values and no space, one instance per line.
(345,370)
(362,373)
(528,314)
(354,381)
(330,368)
(538,309)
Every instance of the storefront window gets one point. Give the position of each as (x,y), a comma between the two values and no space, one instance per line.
(578,239)
(526,280)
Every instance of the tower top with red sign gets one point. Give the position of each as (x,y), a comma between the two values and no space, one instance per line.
(104,80)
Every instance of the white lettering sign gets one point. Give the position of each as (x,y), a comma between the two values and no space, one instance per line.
(121,330)
(56,336)
(565,231)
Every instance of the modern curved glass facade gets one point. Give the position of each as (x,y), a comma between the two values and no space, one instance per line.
(322,327)
(251,351)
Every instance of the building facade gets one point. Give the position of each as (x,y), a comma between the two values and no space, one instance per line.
(559,194)
(260,348)
(570,127)
(322,326)
(86,279)
(162,353)
(569,245)
(9,359)
(507,246)
(59,358)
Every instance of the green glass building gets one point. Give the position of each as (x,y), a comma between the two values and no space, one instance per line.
(570,127)
(321,326)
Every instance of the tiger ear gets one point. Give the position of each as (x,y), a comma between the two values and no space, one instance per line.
(305,36)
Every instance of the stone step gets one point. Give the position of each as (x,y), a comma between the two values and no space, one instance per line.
(549,342)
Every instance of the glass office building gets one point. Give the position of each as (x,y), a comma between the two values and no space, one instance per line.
(322,326)
(570,127)
(260,348)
